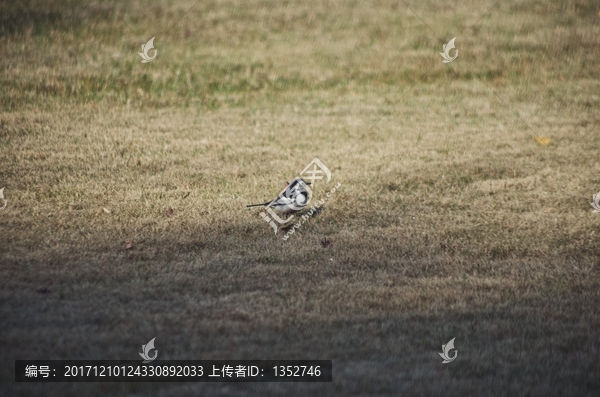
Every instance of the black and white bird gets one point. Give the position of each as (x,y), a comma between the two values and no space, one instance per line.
(293,199)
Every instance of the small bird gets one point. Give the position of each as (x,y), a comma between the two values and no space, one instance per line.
(292,199)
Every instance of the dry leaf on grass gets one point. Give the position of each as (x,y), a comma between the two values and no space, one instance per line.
(106,210)
(170,212)
(129,245)
(542,140)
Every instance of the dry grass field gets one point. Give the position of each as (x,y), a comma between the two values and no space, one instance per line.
(451,220)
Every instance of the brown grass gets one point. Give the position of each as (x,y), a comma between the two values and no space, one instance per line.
(451,221)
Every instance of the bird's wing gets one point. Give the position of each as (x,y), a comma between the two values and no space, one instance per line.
(287,196)
(281,200)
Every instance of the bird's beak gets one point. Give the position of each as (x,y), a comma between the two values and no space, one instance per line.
(308,183)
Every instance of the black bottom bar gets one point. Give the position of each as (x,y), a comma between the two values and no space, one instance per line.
(173,371)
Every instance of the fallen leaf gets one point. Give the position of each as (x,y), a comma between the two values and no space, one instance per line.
(170,212)
(129,245)
(548,209)
(325,243)
(106,210)
(43,291)
(542,140)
